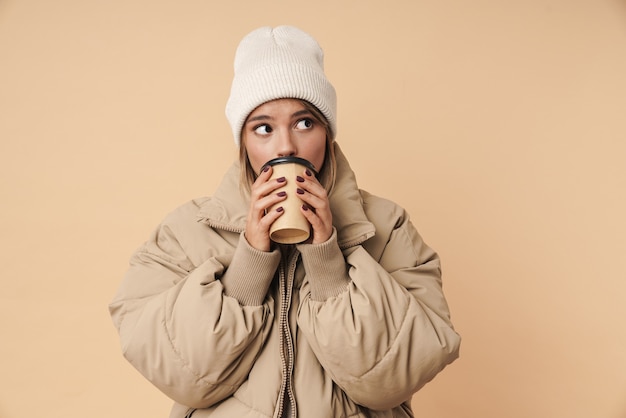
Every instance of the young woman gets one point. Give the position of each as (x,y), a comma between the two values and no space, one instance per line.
(227,323)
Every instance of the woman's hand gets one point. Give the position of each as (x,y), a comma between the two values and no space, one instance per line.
(263,195)
(316,207)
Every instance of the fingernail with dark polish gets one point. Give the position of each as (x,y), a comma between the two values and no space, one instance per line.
(308,173)
(300,179)
(266,168)
(305,207)
(299,191)
(279,209)
(281,179)
(282,194)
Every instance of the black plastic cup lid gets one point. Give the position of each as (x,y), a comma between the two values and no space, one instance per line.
(285,160)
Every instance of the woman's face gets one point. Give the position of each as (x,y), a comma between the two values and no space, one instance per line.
(281,128)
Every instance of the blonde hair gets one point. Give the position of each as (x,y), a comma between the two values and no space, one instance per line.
(327,173)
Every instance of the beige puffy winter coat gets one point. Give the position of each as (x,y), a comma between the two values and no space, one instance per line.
(348,328)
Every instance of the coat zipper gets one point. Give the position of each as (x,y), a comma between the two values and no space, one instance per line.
(287,354)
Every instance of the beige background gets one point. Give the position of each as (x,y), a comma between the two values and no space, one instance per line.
(498,124)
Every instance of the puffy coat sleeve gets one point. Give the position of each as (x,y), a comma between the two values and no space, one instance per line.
(389,332)
(177,325)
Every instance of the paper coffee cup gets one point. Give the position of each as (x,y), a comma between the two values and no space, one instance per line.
(291,227)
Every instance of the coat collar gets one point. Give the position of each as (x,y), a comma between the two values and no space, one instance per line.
(228,207)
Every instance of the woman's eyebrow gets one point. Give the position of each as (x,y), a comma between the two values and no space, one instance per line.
(267,117)
(301,113)
(259,117)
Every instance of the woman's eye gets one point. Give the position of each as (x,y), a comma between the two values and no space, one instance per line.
(263,129)
(304,124)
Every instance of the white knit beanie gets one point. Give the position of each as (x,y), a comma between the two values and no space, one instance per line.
(277,63)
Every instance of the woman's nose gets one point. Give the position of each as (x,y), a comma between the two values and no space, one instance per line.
(286,145)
